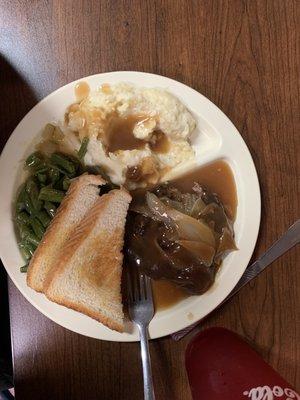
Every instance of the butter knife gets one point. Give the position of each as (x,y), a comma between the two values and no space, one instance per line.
(288,240)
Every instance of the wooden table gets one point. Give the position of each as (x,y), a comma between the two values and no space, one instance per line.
(242,55)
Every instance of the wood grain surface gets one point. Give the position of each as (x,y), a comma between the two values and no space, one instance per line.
(242,55)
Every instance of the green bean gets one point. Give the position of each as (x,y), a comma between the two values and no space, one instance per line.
(30,247)
(24,230)
(83,148)
(62,171)
(24,268)
(59,184)
(37,227)
(42,177)
(78,165)
(73,159)
(49,194)
(33,191)
(63,162)
(47,185)
(25,252)
(34,160)
(23,217)
(50,208)
(27,234)
(20,206)
(29,183)
(66,183)
(54,174)
(33,239)
(20,203)
(28,204)
(27,249)
(44,218)
(41,168)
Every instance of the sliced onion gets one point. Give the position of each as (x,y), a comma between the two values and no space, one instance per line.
(200,249)
(173,203)
(47,147)
(158,208)
(192,229)
(188,228)
(144,210)
(197,208)
(188,201)
(226,242)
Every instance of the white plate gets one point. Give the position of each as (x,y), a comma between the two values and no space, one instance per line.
(216,137)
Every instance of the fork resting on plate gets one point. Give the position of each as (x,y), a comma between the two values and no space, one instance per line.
(141,311)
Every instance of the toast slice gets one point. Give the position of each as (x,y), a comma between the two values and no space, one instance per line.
(81,196)
(88,275)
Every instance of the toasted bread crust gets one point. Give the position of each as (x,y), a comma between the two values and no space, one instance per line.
(57,222)
(98,316)
(112,244)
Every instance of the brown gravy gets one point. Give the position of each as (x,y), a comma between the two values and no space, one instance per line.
(217,177)
(160,143)
(82,90)
(166,294)
(119,134)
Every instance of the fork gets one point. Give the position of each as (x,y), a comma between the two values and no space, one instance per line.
(141,311)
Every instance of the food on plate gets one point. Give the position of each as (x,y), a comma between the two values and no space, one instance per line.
(87,275)
(48,179)
(116,143)
(180,237)
(133,134)
(216,177)
(78,261)
(82,194)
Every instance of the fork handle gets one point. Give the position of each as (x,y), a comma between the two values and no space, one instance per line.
(147,373)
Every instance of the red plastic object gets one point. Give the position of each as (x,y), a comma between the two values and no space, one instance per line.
(222,366)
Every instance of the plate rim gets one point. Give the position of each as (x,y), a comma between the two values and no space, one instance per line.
(102,76)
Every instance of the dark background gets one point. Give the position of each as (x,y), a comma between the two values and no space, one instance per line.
(242,55)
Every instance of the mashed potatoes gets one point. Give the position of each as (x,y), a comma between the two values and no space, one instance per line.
(135,134)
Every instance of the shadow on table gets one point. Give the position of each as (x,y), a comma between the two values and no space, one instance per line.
(6,380)
(17,99)
(82,368)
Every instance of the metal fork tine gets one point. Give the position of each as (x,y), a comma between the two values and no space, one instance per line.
(136,285)
(141,311)
(143,290)
(129,286)
(148,288)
